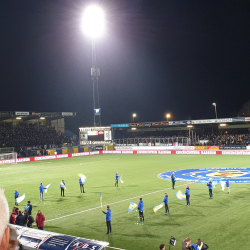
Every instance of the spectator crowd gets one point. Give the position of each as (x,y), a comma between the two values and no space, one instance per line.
(30,134)
(217,137)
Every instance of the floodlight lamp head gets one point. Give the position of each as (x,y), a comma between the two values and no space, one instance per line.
(214,104)
(93,21)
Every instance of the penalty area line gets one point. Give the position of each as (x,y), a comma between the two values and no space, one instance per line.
(90,209)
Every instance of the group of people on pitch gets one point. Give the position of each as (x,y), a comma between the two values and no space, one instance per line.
(186,244)
(25,218)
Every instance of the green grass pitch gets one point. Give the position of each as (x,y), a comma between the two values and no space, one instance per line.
(222,223)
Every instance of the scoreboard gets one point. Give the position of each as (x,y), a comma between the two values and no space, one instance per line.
(95,135)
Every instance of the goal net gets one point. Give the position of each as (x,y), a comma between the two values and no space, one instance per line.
(8,158)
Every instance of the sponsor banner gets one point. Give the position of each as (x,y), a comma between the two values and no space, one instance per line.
(147,151)
(206,147)
(62,156)
(224,120)
(200,147)
(21,113)
(203,121)
(119,125)
(35,113)
(207,152)
(233,147)
(235,152)
(247,119)
(213,147)
(23,159)
(80,154)
(127,151)
(67,113)
(40,239)
(187,152)
(164,152)
(7,113)
(9,161)
(95,152)
(239,119)
(160,123)
(46,157)
(112,152)
(63,242)
(180,152)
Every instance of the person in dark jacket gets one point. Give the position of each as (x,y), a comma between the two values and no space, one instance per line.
(29,208)
(116,179)
(173,179)
(108,219)
(187,193)
(16,195)
(165,201)
(210,188)
(140,209)
(62,187)
(20,219)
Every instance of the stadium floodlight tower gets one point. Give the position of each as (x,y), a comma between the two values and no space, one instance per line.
(93,25)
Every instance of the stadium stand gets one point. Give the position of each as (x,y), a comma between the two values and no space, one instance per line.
(217,138)
(30,134)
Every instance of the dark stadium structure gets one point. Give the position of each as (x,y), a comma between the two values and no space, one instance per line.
(218,132)
(24,131)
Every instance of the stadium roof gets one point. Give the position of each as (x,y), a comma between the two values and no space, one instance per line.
(32,115)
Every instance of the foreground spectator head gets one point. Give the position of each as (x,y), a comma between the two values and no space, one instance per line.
(13,238)
(4,218)
(162,247)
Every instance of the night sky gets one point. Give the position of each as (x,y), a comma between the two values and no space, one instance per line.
(157,56)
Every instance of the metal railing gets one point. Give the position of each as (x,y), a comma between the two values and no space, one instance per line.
(181,141)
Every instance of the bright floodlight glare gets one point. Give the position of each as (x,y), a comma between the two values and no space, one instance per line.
(93,21)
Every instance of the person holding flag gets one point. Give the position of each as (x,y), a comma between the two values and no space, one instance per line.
(41,188)
(16,194)
(116,179)
(210,188)
(187,193)
(165,201)
(108,219)
(81,185)
(140,209)
(62,186)
(173,179)
(228,186)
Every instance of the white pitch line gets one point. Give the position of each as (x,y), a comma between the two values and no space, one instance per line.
(90,209)
(59,167)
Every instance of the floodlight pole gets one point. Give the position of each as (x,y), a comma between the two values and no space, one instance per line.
(95,73)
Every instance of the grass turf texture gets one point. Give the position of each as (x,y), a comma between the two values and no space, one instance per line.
(222,223)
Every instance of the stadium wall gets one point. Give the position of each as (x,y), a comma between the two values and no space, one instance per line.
(143,151)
